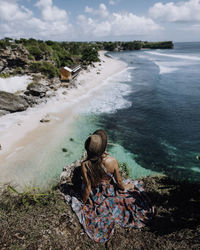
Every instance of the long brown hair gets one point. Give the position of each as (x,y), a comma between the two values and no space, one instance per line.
(95,146)
(95,171)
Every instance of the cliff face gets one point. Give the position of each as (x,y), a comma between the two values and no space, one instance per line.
(46,222)
(13,59)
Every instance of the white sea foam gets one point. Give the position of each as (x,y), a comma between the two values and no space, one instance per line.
(165,68)
(14,84)
(174,56)
(110,100)
(195,169)
(112,96)
(171,149)
(124,76)
(168,66)
(142,56)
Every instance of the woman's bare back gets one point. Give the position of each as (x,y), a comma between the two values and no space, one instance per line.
(112,167)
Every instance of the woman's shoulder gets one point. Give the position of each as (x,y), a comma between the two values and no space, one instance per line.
(110,162)
(110,159)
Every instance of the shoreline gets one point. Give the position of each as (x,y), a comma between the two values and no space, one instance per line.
(24,129)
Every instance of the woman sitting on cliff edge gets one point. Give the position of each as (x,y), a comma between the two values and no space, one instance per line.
(106,198)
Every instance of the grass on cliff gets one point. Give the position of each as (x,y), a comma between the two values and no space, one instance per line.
(41,220)
(5,75)
(33,219)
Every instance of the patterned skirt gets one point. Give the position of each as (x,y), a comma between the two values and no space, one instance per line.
(130,208)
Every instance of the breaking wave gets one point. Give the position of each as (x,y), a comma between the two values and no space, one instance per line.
(174,56)
(111,96)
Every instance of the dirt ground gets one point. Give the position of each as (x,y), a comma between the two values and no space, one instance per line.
(32,221)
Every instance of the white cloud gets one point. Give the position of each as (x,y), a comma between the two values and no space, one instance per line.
(176,12)
(18,21)
(102,11)
(50,12)
(194,27)
(111,2)
(130,24)
(91,27)
(116,24)
(10,11)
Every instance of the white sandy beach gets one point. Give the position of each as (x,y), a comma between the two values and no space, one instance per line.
(22,129)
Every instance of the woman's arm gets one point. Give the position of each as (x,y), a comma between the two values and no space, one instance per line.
(87,189)
(118,178)
(117,175)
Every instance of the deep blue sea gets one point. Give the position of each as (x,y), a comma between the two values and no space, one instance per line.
(151,112)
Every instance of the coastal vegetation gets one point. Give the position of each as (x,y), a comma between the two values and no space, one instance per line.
(47,57)
(45,68)
(4,75)
(134,45)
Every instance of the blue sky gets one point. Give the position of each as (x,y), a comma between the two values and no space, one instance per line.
(86,20)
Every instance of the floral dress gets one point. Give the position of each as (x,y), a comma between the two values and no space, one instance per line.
(131,208)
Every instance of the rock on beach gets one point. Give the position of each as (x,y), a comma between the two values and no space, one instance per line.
(37,89)
(12,103)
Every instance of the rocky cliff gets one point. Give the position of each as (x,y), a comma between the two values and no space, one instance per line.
(14,60)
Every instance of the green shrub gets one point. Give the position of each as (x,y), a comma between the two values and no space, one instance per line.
(110,46)
(32,196)
(23,41)
(4,43)
(32,41)
(124,168)
(5,75)
(49,42)
(45,68)
(45,48)
(158,45)
(17,70)
(13,46)
(30,57)
(49,69)
(90,55)
(31,84)
(35,51)
(35,67)
(135,45)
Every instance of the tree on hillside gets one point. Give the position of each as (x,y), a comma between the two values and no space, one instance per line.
(89,55)
(35,51)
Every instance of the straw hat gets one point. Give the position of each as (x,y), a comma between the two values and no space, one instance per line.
(95,144)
